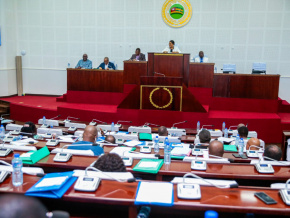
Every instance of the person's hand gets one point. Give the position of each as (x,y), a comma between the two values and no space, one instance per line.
(175,52)
(134,59)
(100,68)
(165,52)
(102,132)
(108,68)
(79,68)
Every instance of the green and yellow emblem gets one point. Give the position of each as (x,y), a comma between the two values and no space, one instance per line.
(176,13)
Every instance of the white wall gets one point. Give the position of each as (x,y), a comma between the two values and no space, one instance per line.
(55,32)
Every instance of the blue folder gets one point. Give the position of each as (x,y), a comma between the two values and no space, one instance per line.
(54,191)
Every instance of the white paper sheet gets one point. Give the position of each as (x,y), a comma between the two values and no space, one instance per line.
(132,143)
(120,150)
(51,181)
(148,164)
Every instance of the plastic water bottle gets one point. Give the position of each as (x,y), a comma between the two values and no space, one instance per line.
(241,147)
(215,69)
(226,133)
(167,151)
(17,175)
(144,212)
(68,65)
(198,126)
(224,126)
(44,120)
(17,138)
(211,214)
(237,140)
(2,132)
(156,144)
(112,127)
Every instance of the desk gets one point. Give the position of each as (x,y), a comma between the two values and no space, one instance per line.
(201,75)
(236,200)
(133,70)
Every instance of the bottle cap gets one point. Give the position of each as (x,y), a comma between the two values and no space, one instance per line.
(2,125)
(211,214)
(16,155)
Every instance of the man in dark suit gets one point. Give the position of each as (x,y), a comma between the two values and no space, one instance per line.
(106,65)
(138,56)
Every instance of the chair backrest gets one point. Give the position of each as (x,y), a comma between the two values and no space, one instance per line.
(258,68)
(116,66)
(228,68)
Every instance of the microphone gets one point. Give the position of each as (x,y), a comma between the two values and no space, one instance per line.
(3,116)
(185,121)
(233,126)
(160,74)
(207,125)
(152,124)
(95,120)
(67,119)
(268,158)
(247,125)
(123,121)
(54,117)
(119,180)
(211,183)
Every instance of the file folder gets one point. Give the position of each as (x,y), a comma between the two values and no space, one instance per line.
(232,148)
(145,136)
(48,186)
(149,165)
(31,157)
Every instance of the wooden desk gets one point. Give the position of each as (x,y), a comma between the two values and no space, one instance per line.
(109,193)
(94,80)
(246,86)
(133,70)
(201,75)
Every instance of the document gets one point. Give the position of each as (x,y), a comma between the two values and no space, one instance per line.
(51,181)
(120,150)
(155,193)
(132,143)
(148,164)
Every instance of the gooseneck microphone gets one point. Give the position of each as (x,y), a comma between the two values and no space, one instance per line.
(3,116)
(123,121)
(67,119)
(54,117)
(185,121)
(207,125)
(160,74)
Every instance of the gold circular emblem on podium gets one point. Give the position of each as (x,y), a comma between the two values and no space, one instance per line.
(176,13)
(155,105)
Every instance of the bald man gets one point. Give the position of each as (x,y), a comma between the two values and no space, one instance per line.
(85,63)
(240,125)
(111,139)
(89,138)
(216,148)
(274,152)
(162,131)
(253,141)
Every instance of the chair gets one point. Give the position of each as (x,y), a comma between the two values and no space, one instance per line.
(116,65)
(229,68)
(258,68)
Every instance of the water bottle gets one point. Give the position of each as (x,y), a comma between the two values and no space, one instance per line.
(2,132)
(198,126)
(17,138)
(43,120)
(112,127)
(215,69)
(226,133)
(144,212)
(17,176)
(224,126)
(156,144)
(241,147)
(68,65)
(167,151)
(237,140)
(211,214)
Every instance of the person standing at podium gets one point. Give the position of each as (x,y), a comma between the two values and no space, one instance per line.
(106,65)
(85,63)
(201,58)
(171,48)
(138,56)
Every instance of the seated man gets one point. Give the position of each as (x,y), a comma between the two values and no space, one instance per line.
(110,138)
(240,125)
(85,63)
(171,48)
(28,127)
(253,141)
(200,58)
(138,56)
(243,132)
(106,65)
(216,148)
(204,139)
(274,152)
(89,137)
(162,131)
(110,163)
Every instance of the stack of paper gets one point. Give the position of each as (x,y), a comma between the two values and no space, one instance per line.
(149,165)
(181,151)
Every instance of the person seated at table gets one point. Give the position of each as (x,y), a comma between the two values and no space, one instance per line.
(274,152)
(216,148)
(243,132)
(85,63)
(171,48)
(203,140)
(110,138)
(201,58)
(253,141)
(110,163)
(28,127)
(106,65)
(162,131)
(89,137)
(138,56)
(14,206)
(240,125)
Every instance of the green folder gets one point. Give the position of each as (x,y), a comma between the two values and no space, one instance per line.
(156,164)
(177,157)
(31,157)
(145,137)
(230,148)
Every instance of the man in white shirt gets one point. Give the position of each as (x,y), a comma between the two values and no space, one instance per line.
(200,58)
(171,48)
